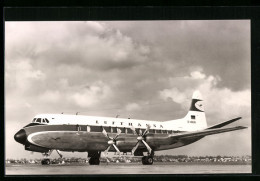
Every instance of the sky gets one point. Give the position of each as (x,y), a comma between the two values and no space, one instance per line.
(137,69)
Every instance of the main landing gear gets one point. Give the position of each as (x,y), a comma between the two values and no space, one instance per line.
(148,160)
(94,158)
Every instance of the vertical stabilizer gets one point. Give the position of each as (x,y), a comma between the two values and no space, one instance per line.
(195,118)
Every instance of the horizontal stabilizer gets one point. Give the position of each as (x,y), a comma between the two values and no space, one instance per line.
(205,132)
(220,125)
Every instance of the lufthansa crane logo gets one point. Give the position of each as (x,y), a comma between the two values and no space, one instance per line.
(199,105)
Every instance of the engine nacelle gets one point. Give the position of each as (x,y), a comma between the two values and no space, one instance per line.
(36,148)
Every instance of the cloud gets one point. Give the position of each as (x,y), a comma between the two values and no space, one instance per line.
(90,95)
(197,75)
(50,96)
(176,95)
(132,107)
(22,76)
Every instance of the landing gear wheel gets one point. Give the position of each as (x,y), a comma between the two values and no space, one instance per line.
(46,162)
(147,160)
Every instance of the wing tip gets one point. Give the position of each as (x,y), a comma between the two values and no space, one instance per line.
(242,127)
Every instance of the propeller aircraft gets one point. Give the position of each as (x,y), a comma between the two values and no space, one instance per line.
(69,133)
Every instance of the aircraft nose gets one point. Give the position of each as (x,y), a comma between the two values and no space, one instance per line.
(20,136)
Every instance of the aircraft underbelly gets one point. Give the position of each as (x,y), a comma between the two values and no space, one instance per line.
(89,141)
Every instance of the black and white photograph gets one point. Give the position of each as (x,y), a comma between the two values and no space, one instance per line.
(127,97)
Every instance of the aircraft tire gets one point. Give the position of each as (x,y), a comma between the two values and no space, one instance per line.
(147,160)
(144,160)
(46,162)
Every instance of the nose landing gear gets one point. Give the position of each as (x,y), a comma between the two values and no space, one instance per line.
(46,161)
(46,155)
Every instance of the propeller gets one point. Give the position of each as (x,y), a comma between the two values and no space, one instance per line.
(141,138)
(111,141)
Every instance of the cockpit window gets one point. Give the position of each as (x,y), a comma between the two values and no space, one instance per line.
(47,121)
(38,120)
(43,121)
(34,119)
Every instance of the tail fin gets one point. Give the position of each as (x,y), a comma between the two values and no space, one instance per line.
(196,118)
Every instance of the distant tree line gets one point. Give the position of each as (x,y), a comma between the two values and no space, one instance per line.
(132,159)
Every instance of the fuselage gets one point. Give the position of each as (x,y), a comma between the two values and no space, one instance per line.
(84,133)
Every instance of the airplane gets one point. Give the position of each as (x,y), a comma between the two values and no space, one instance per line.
(69,133)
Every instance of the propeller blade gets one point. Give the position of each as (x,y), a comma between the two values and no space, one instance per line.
(117,150)
(140,132)
(133,129)
(146,130)
(105,152)
(133,150)
(104,132)
(147,146)
(118,133)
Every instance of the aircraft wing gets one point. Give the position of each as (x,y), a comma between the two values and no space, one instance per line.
(205,132)
(219,125)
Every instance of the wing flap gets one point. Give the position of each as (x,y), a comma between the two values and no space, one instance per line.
(205,132)
(220,125)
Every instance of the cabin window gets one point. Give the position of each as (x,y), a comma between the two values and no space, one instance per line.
(170,131)
(157,131)
(139,124)
(96,121)
(114,130)
(122,130)
(193,117)
(130,124)
(105,122)
(164,131)
(129,131)
(108,129)
(38,120)
(176,131)
(96,129)
(151,131)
